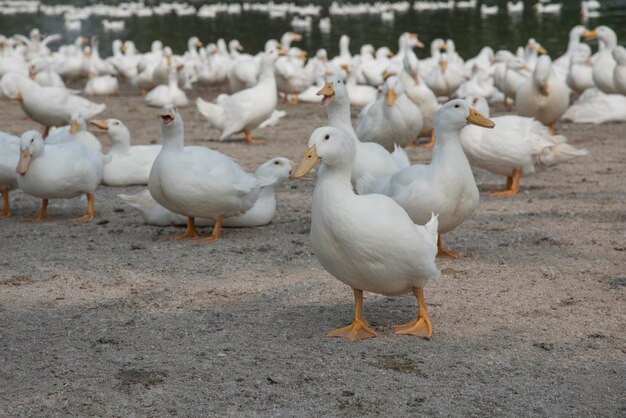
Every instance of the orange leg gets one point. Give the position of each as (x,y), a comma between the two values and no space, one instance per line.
(191,231)
(250,139)
(512,185)
(442,252)
(294,100)
(215,235)
(43,213)
(46,130)
(421,326)
(90,210)
(5,205)
(430,143)
(359,329)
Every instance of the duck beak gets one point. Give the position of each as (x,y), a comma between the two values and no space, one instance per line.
(590,35)
(544,90)
(239,47)
(476,118)
(74,126)
(386,75)
(308,163)
(444,66)
(303,55)
(99,125)
(296,37)
(168,60)
(199,44)
(18,96)
(328,92)
(24,163)
(391,97)
(542,50)
(346,67)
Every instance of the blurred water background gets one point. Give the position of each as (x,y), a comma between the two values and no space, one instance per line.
(466,27)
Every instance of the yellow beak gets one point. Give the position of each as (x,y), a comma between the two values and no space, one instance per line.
(198,44)
(24,163)
(18,96)
(303,55)
(327,90)
(542,50)
(308,162)
(590,34)
(391,97)
(476,118)
(444,66)
(99,125)
(386,74)
(74,126)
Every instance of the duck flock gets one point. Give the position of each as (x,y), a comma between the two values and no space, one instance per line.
(376,220)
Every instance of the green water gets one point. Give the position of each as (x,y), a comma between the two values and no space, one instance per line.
(466,27)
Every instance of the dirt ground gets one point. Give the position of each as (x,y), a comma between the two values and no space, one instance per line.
(109,318)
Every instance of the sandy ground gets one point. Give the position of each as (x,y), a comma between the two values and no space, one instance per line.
(109,318)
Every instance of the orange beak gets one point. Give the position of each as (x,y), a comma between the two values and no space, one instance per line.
(24,163)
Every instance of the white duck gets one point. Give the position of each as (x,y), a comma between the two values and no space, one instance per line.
(543,96)
(9,157)
(59,171)
(595,107)
(604,63)
(75,131)
(420,94)
(360,95)
(619,73)
(103,85)
(129,164)
(446,186)
(392,119)
(516,146)
(168,93)
(52,106)
(271,173)
(198,182)
(367,242)
(370,157)
(444,79)
(580,75)
(246,109)
(562,63)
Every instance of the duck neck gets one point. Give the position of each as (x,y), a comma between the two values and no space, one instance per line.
(448,150)
(173,138)
(335,180)
(338,113)
(120,142)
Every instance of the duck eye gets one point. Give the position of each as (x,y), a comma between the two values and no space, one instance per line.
(327,137)
(277,162)
(457,106)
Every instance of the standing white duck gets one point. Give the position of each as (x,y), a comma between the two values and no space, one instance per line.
(370,157)
(168,93)
(360,95)
(198,182)
(446,186)
(128,165)
(444,79)
(543,96)
(603,61)
(367,242)
(516,146)
(59,171)
(421,95)
(9,157)
(392,119)
(52,106)
(246,109)
(270,173)
(619,73)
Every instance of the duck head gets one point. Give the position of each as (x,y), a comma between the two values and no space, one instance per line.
(542,72)
(117,131)
(332,147)
(392,89)
(455,114)
(274,171)
(77,123)
(31,146)
(171,122)
(479,103)
(334,88)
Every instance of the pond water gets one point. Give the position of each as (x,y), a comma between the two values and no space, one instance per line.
(467,28)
